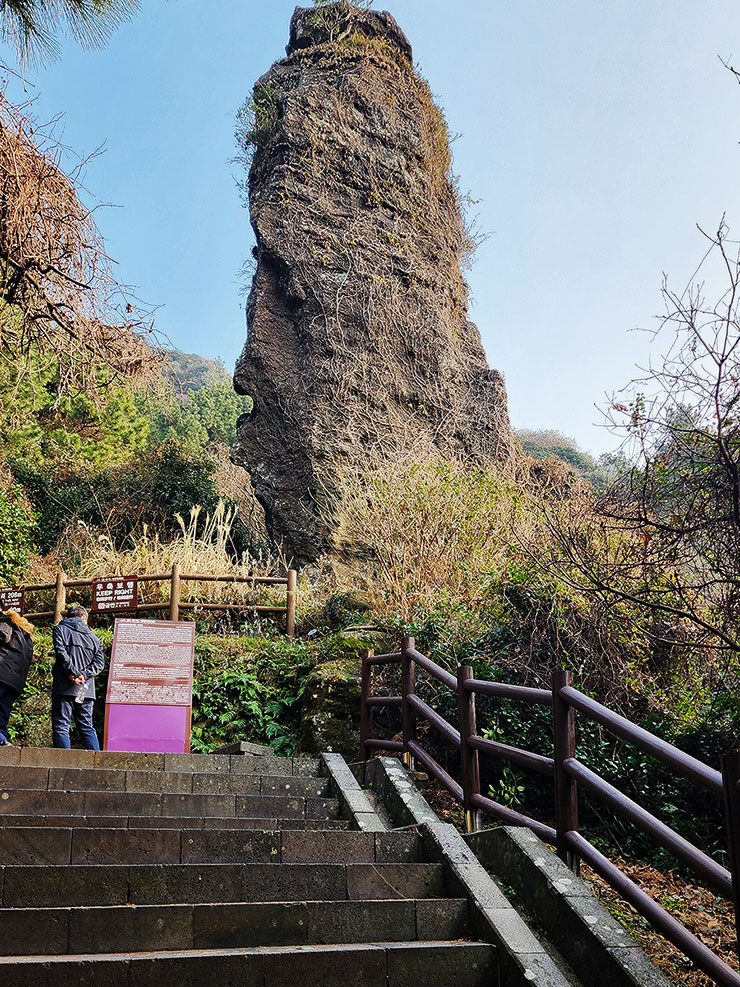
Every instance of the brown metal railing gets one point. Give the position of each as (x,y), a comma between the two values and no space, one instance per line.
(568,773)
(174,605)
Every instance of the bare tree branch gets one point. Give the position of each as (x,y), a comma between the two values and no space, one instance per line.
(57,290)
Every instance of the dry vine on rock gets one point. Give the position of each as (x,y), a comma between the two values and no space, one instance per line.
(358,330)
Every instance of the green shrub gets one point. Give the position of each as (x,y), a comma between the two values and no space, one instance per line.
(149,490)
(258,119)
(249,689)
(16,530)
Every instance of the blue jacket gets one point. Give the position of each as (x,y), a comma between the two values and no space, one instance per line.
(77,652)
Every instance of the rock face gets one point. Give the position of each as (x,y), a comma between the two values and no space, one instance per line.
(358,336)
(330,718)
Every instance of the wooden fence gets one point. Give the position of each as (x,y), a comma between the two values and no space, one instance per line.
(174,605)
(568,773)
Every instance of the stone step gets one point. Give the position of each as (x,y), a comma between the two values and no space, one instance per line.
(32,801)
(117,760)
(391,964)
(62,886)
(64,779)
(47,845)
(182,823)
(119,929)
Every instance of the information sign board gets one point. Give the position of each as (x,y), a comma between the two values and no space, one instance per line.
(150,686)
(12,599)
(115,594)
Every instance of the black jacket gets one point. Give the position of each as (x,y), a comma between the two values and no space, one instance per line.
(77,652)
(16,653)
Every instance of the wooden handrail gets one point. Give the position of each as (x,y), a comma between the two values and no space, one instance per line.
(504,690)
(433,668)
(433,766)
(568,772)
(661,750)
(391,659)
(438,722)
(709,869)
(261,580)
(513,818)
(174,604)
(385,745)
(525,759)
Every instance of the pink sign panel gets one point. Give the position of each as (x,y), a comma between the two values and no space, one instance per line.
(147,728)
(150,686)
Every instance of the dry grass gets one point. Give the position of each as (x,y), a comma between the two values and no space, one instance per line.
(704,913)
(233,483)
(203,546)
(421,529)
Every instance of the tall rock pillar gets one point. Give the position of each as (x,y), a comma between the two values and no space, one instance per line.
(358,333)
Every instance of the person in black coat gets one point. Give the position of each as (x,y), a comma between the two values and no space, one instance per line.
(16,655)
(78,659)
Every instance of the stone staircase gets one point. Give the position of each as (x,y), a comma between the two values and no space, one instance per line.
(130,870)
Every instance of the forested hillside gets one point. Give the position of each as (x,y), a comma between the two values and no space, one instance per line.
(111,462)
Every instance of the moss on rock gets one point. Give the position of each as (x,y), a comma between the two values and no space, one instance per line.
(331,709)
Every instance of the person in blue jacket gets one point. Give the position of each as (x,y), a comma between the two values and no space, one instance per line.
(78,659)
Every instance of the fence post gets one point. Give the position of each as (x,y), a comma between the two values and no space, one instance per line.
(60,597)
(290,604)
(566,789)
(468,754)
(175,592)
(730,780)
(366,712)
(408,688)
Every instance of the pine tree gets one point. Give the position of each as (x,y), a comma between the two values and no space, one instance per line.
(33,25)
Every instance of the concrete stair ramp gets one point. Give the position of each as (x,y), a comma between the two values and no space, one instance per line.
(129,869)
(392,964)
(170,822)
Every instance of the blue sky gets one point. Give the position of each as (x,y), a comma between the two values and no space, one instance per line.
(596,135)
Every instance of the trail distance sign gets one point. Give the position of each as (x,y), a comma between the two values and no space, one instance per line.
(12,598)
(150,686)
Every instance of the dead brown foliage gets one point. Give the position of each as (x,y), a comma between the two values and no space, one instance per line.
(58,295)
(706,914)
